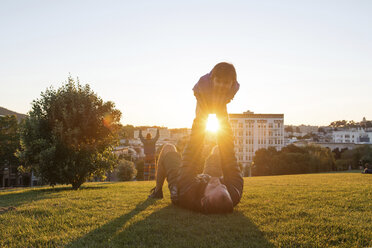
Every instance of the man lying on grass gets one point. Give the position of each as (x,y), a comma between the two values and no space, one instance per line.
(219,188)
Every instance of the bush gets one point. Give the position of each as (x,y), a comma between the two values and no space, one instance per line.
(126,170)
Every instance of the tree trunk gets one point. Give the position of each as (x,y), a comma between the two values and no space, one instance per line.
(76,184)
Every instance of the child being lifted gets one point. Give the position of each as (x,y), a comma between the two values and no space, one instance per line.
(219,187)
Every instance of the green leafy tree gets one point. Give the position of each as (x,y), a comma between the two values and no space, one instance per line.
(69,134)
(263,161)
(9,140)
(126,132)
(126,170)
(360,155)
(292,160)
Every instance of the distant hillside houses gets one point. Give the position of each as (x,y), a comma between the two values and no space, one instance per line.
(360,133)
(301,130)
(165,136)
(357,136)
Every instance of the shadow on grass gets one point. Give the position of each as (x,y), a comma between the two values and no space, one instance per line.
(175,227)
(102,235)
(16,198)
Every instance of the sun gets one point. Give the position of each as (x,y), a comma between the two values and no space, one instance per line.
(212,123)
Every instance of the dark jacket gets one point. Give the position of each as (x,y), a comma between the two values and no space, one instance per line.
(191,184)
(149,144)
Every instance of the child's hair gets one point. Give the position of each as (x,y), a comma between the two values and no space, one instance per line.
(224,70)
(148,136)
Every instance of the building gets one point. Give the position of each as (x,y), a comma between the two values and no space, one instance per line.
(255,131)
(356,136)
(11,177)
(308,129)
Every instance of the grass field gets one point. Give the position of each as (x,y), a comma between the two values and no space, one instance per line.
(315,210)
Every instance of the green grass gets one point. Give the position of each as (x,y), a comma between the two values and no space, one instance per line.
(315,210)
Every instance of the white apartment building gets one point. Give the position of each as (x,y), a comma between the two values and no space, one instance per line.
(256,131)
(356,136)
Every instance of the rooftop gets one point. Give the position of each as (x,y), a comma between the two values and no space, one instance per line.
(256,115)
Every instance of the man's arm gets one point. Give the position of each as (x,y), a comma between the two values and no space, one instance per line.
(231,171)
(157,135)
(141,137)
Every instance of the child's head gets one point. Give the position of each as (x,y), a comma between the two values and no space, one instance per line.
(223,76)
(148,136)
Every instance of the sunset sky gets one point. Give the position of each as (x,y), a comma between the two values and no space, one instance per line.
(308,60)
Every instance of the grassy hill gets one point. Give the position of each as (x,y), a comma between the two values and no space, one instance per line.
(315,210)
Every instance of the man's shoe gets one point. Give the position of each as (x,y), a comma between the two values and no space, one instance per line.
(156,194)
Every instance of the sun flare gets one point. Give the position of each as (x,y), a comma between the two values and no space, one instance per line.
(212,123)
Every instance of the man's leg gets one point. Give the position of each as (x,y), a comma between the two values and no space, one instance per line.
(146,168)
(162,170)
(152,169)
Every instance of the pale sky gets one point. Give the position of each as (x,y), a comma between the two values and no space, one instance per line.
(309,60)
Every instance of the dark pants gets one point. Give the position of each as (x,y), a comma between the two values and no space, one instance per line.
(149,168)
(169,165)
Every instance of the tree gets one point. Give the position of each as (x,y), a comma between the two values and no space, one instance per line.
(69,134)
(126,170)
(360,155)
(9,140)
(126,132)
(263,161)
(293,160)
(288,129)
(321,130)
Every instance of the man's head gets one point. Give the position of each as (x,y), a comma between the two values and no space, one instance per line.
(223,76)
(148,136)
(216,199)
